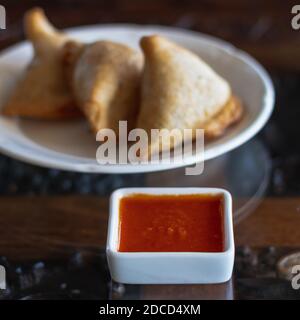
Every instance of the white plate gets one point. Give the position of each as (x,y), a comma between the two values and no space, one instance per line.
(70,145)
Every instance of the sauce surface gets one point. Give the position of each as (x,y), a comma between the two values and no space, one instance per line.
(171,223)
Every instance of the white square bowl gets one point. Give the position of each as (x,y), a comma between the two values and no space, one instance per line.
(169,267)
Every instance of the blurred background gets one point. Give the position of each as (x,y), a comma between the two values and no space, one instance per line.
(262,28)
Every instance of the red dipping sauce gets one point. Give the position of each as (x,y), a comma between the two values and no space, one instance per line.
(171,223)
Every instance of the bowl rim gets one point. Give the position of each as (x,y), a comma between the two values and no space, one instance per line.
(113,222)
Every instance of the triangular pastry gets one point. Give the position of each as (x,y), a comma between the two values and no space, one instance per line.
(105,78)
(42,92)
(179,90)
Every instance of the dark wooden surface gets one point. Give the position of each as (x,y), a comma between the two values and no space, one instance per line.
(262,28)
(45,227)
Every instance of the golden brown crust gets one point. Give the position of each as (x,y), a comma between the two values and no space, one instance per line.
(179,90)
(230,114)
(70,53)
(42,92)
(105,77)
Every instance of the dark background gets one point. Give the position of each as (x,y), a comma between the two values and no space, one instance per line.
(262,28)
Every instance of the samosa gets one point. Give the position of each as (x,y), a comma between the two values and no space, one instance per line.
(104,77)
(180,91)
(42,92)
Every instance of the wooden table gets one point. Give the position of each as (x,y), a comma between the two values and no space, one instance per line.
(42,227)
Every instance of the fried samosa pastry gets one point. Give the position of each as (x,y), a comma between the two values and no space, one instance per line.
(230,114)
(104,77)
(180,91)
(42,92)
